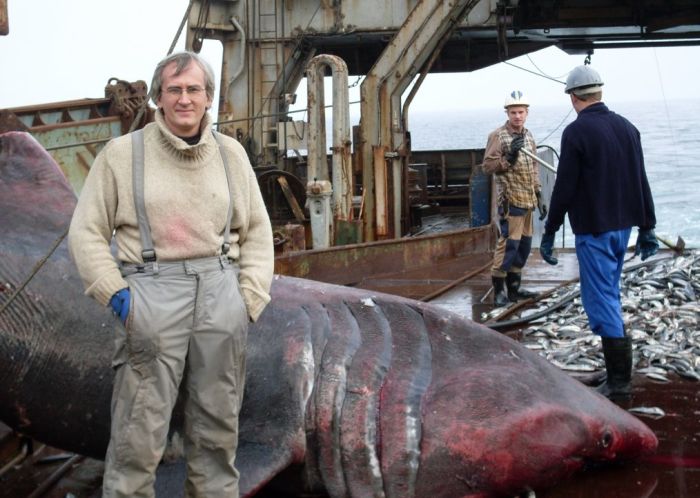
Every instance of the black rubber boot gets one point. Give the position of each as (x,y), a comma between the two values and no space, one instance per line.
(500,298)
(618,365)
(514,290)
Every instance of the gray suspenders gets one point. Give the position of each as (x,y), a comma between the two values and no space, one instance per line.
(148,252)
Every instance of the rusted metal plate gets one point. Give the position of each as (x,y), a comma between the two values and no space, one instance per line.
(347,232)
(74,131)
(65,144)
(289,238)
(68,111)
(391,259)
(10,122)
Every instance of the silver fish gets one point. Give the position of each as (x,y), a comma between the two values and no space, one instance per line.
(648,411)
(661,315)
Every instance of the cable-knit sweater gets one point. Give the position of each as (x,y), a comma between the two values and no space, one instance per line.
(187,201)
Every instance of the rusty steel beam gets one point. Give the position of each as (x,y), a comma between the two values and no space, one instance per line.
(350,264)
(425,29)
(381,191)
(68,111)
(291,200)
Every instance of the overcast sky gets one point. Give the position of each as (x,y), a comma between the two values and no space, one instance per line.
(69,49)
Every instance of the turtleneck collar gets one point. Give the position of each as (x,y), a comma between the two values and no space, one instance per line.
(178,145)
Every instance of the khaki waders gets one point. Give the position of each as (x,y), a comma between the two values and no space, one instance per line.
(188,322)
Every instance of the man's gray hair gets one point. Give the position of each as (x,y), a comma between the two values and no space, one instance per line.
(182,59)
(589,96)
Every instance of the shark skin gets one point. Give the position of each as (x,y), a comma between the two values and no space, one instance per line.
(348,392)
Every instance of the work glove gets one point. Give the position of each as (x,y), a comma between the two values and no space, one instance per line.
(120,302)
(515,146)
(546,247)
(646,245)
(541,207)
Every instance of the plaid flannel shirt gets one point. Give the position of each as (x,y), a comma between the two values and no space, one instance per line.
(518,184)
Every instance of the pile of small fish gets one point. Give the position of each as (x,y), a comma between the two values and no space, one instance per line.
(661,312)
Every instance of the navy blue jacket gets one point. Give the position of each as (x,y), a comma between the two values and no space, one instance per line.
(601,181)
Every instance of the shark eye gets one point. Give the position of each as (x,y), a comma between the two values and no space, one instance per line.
(606,439)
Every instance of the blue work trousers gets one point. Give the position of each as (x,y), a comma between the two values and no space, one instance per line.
(600,259)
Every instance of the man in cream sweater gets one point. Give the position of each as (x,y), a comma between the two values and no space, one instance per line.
(194,263)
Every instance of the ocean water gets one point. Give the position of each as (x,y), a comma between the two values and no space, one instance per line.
(670,133)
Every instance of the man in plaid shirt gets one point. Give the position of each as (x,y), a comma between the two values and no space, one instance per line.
(518,187)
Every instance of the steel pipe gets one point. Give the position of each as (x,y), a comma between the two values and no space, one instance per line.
(539,160)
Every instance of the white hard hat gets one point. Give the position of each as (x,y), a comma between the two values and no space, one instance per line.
(516,97)
(583,80)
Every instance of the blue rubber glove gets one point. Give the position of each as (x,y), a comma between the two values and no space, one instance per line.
(546,248)
(646,245)
(120,302)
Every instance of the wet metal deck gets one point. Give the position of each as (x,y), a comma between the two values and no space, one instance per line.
(470,298)
(673,472)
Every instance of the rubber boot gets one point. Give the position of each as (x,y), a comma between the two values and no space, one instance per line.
(618,365)
(500,298)
(514,290)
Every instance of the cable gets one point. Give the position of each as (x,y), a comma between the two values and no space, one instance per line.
(559,125)
(202,17)
(668,115)
(179,29)
(253,118)
(550,148)
(534,72)
(542,72)
(543,75)
(35,270)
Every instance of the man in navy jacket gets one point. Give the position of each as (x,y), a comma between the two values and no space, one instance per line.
(602,184)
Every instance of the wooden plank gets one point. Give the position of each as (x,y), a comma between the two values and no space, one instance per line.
(289,195)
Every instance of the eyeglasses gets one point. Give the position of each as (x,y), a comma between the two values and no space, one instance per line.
(192,91)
